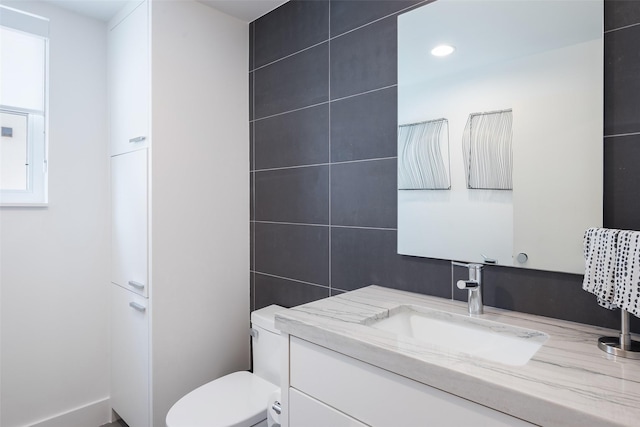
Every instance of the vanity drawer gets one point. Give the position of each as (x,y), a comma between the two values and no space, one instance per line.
(378,397)
(309,412)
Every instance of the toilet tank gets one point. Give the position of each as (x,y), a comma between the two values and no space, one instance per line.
(267,347)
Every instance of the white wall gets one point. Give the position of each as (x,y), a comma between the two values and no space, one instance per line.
(200,187)
(54,261)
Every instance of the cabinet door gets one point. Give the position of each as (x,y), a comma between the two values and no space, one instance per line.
(308,412)
(128,64)
(129,221)
(130,357)
(380,398)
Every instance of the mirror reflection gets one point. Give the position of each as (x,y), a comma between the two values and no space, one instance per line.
(500,131)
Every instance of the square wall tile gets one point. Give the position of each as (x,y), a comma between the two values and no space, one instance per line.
(620,13)
(364,194)
(364,59)
(287,293)
(298,252)
(621,82)
(298,195)
(622,182)
(294,26)
(365,126)
(298,81)
(362,257)
(293,139)
(348,14)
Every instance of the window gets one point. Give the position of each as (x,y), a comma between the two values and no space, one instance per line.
(23,108)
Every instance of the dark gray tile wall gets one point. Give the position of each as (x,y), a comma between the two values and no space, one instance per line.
(364,126)
(294,82)
(323,87)
(294,139)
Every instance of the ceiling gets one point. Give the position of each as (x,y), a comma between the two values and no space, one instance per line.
(103,10)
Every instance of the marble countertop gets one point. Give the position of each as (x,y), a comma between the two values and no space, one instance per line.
(568,382)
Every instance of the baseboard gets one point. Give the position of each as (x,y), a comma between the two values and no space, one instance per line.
(92,415)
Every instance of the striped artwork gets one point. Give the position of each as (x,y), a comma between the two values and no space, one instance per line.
(487,150)
(423,156)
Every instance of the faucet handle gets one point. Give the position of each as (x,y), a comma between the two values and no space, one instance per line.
(461,264)
(467,284)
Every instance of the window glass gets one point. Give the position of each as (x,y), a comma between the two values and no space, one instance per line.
(13,151)
(22,57)
(23,107)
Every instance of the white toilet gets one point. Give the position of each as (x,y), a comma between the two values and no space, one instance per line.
(239,399)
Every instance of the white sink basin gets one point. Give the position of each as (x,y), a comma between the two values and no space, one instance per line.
(472,336)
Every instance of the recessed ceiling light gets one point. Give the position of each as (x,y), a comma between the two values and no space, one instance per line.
(442,50)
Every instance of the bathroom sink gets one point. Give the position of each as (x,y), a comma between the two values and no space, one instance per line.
(456,333)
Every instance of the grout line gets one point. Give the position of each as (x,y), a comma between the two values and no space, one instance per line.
(255,119)
(329,137)
(253,152)
(363,93)
(291,167)
(376,159)
(288,111)
(325,164)
(622,134)
(289,223)
(288,55)
(356,227)
(621,28)
(290,279)
(359,227)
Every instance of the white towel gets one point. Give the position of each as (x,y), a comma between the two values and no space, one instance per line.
(600,251)
(627,284)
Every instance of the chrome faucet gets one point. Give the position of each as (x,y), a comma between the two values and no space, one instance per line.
(473,285)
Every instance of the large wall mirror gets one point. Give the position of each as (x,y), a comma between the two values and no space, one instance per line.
(500,142)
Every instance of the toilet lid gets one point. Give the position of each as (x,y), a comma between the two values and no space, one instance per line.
(235,400)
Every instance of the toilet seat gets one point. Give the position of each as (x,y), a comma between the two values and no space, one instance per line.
(235,400)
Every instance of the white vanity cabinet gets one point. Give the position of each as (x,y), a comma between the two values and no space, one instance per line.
(338,387)
(178,120)
(129,78)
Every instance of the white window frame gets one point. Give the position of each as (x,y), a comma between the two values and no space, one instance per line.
(36,194)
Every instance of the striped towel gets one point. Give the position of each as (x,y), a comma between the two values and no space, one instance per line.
(600,252)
